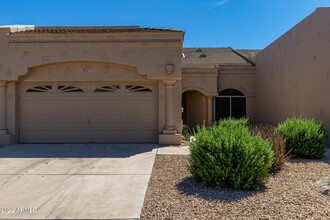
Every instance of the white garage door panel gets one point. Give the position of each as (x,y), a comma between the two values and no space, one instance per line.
(113,114)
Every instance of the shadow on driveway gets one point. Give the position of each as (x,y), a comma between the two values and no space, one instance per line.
(75,150)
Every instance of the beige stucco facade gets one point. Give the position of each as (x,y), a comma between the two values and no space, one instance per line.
(73,56)
(134,84)
(201,86)
(241,78)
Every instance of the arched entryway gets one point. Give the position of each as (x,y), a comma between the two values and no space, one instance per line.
(230,103)
(195,110)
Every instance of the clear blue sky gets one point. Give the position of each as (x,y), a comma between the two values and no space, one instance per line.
(237,23)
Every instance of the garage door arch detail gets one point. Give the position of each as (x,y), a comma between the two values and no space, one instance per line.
(76,71)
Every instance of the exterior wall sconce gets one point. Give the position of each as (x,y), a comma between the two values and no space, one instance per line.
(169,68)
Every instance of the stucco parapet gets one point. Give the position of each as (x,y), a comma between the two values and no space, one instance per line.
(72,40)
(96,36)
(236,67)
(200,70)
(248,69)
(215,74)
(90,44)
(237,72)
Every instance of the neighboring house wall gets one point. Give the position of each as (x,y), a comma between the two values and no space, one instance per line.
(241,78)
(293,73)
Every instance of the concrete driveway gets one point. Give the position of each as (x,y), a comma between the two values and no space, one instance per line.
(70,181)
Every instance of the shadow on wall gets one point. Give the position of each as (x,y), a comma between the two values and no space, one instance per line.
(190,187)
(75,150)
(194,105)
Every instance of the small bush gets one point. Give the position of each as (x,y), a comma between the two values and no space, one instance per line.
(277,141)
(305,138)
(234,122)
(186,132)
(229,156)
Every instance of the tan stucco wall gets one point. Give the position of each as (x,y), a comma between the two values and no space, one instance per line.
(200,87)
(293,73)
(200,83)
(202,80)
(124,56)
(148,52)
(82,71)
(242,78)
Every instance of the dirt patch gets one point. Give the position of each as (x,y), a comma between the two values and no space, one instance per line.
(290,194)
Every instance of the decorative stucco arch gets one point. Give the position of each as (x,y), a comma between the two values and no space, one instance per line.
(81,61)
(234,86)
(30,69)
(199,107)
(198,89)
(82,70)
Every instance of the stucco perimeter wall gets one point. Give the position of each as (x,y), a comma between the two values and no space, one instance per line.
(242,78)
(293,73)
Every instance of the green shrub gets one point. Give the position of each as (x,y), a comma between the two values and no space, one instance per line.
(234,122)
(277,141)
(305,138)
(229,156)
(186,132)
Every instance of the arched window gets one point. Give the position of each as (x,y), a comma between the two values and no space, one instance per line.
(230,103)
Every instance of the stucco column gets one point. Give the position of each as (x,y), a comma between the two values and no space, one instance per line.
(3,107)
(169,107)
(209,111)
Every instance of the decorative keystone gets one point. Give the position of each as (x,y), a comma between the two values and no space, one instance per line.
(169,68)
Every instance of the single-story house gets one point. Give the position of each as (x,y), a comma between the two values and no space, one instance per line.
(135,84)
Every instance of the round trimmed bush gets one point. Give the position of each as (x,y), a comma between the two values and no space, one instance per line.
(305,138)
(229,156)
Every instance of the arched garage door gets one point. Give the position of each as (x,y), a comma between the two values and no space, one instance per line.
(88,112)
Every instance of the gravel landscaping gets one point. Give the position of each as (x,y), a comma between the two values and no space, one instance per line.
(290,194)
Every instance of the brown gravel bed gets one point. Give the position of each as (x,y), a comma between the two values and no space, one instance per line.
(290,194)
